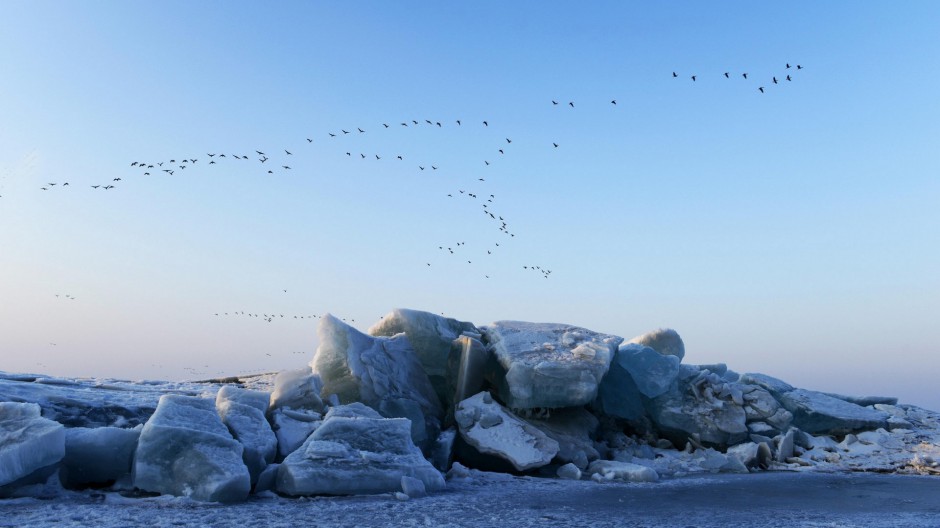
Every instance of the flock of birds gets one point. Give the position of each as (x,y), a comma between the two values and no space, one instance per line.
(727,75)
(271,162)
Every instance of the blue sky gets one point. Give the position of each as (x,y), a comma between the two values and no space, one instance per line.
(793,232)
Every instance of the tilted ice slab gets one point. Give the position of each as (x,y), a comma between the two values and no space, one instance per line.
(102,455)
(431,337)
(549,365)
(356,451)
(184,449)
(382,372)
(490,429)
(815,412)
(242,411)
(28,442)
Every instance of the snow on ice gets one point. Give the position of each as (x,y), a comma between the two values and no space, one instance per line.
(425,396)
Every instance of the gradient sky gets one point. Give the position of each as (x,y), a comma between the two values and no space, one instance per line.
(793,232)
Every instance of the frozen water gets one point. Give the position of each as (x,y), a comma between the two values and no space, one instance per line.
(549,365)
(815,412)
(98,456)
(292,428)
(297,389)
(492,430)
(28,442)
(653,372)
(572,428)
(698,405)
(184,449)
(666,341)
(613,470)
(431,336)
(466,368)
(381,372)
(247,423)
(253,398)
(356,452)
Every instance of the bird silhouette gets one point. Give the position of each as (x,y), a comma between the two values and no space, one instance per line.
(674,74)
(556,145)
(744,75)
(613,102)
(571,104)
(486,124)
(727,75)
(761,89)
(554,102)
(775,80)
(288,152)
(693,78)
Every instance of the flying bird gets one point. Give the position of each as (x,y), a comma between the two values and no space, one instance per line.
(744,75)
(761,89)
(727,75)
(693,78)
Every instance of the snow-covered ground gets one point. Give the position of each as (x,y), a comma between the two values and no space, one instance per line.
(768,499)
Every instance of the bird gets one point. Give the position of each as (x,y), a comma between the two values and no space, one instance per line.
(420,167)
(556,145)
(258,151)
(385,125)
(433,167)
(115,179)
(744,75)
(508,140)
(501,151)
(799,67)
(554,102)
(458,122)
(693,78)
(399,157)
(486,124)
(377,157)
(288,152)
(361,131)
(613,101)
(345,132)
(727,75)
(309,140)
(775,80)
(404,124)
(286,167)
(788,78)
(484,161)
(571,104)
(95,186)
(761,89)
(674,74)
(332,134)
(788,65)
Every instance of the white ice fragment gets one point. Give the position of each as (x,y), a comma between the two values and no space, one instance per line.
(549,365)
(185,450)
(28,442)
(507,437)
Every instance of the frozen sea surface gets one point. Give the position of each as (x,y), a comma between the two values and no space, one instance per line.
(836,500)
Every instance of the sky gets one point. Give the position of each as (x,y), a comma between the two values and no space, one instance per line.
(792,232)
